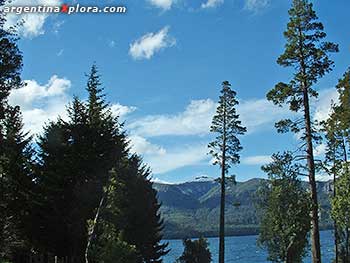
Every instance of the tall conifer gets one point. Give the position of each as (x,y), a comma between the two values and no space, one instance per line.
(226,147)
(307,53)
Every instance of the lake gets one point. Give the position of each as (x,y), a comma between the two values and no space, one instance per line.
(243,249)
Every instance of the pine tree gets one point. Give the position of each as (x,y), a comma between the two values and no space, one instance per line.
(76,158)
(285,207)
(307,53)
(88,178)
(226,147)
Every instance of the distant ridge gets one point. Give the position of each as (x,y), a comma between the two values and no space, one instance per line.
(191,209)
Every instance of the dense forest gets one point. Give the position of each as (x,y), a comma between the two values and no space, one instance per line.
(77,193)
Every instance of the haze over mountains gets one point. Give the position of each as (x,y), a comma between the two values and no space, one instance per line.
(192,209)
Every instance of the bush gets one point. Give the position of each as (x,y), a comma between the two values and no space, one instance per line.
(196,251)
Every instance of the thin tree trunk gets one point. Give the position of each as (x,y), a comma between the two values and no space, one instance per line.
(335,222)
(223,193)
(336,232)
(315,232)
(92,230)
(222,216)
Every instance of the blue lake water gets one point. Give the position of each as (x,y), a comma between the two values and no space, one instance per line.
(244,249)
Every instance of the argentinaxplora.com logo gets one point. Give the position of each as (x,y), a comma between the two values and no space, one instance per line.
(64,8)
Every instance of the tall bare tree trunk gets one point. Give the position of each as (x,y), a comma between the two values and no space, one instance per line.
(315,232)
(222,215)
(92,230)
(222,201)
(335,224)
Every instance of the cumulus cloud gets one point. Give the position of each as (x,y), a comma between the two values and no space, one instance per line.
(33,24)
(320,150)
(323,177)
(41,103)
(256,115)
(162,4)
(194,120)
(177,158)
(324,102)
(256,5)
(122,110)
(32,91)
(142,146)
(212,3)
(257,160)
(260,113)
(197,117)
(151,43)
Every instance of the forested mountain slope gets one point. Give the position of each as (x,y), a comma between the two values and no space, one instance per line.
(192,208)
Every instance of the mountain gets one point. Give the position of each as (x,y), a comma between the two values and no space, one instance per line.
(192,209)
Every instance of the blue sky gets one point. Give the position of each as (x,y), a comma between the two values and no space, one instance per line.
(162,64)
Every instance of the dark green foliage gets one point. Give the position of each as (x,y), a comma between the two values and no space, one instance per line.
(109,247)
(139,218)
(196,251)
(76,158)
(285,207)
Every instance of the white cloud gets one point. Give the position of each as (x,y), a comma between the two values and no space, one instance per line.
(323,177)
(160,181)
(196,119)
(256,5)
(260,113)
(142,146)
(212,3)
(255,114)
(257,160)
(41,103)
(146,46)
(177,158)
(121,110)
(320,150)
(34,92)
(324,102)
(162,4)
(33,24)
(163,160)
